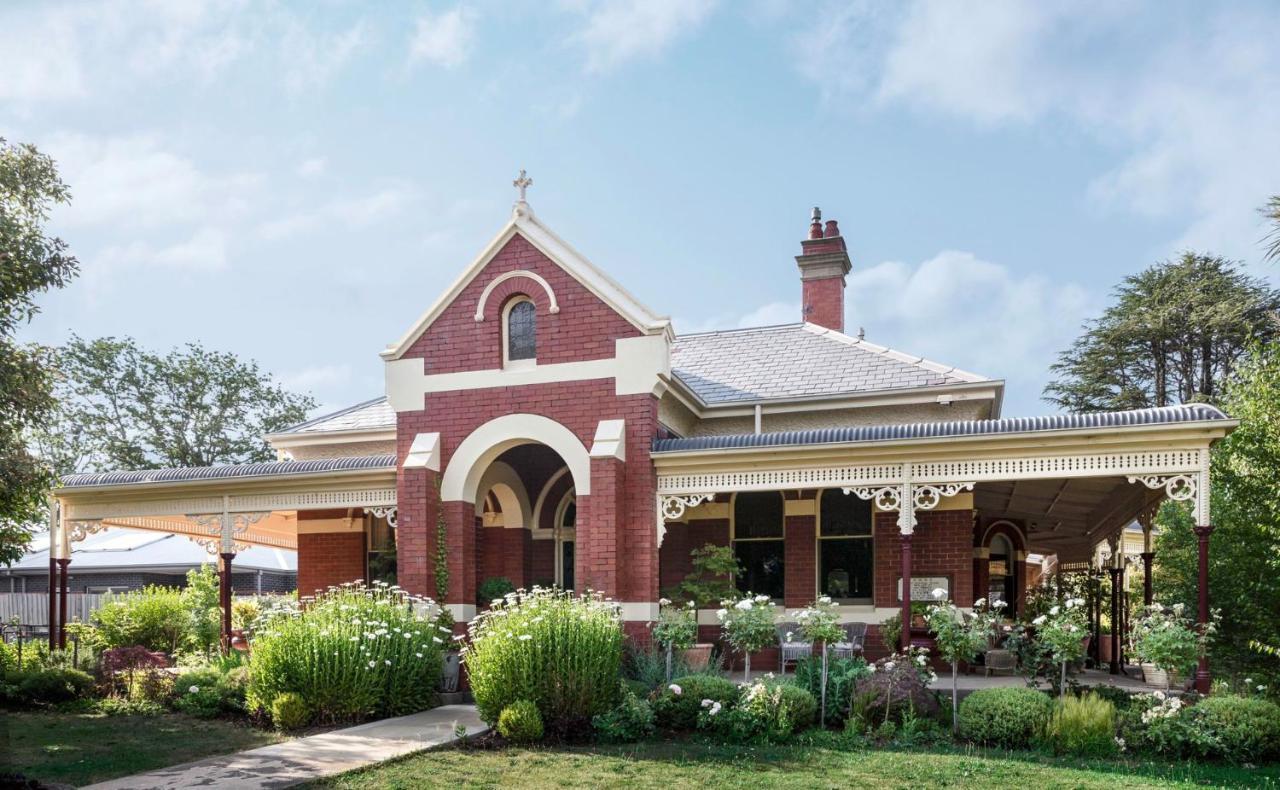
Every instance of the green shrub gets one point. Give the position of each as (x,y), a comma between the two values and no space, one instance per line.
(636,687)
(1160,724)
(117,706)
(209,692)
(842,674)
(1007,717)
(353,653)
(289,711)
(46,686)
(150,685)
(561,652)
(1242,729)
(1118,697)
(154,617)
(898,688)
(493,588)
(203,612)
(520,722)
(1082,726)
(676,707)
(765,711)
(632,720)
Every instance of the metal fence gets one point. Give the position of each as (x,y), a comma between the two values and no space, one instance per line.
(33,608)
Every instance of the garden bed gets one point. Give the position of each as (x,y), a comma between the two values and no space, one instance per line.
(82,748)
(821,760)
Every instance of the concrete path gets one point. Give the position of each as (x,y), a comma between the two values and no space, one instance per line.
(285,764)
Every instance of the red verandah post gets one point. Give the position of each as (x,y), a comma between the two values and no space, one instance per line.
(906,589)
(1204,679)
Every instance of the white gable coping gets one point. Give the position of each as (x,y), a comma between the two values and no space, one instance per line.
(424,452)
(563,255)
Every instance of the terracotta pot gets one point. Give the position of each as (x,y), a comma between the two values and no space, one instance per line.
(1104,649)
(238,641)
(698,656)
(1155,677)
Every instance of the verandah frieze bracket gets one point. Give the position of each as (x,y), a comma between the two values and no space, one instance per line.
(929,495)
(83,529)
(671,507)
(389,513)
(1178,487)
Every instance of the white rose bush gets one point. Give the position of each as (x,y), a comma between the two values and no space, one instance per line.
(961,636)
(820,623)
(1062,631)
(748,625)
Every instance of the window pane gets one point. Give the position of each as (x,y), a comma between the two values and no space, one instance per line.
(762,564)
(845,514)
(570,517)
(521,331)
(757,515)
(845,568)
(566,559)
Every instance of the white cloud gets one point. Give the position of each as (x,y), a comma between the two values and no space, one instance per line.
(348,212)
(311,59)
(444,39)
(37,54)
(1192,107)
(312,167)
(138,182)
(617,31)
(204,252)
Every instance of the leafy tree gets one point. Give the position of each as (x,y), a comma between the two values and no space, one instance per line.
(1272,242)
(1173,335)
(1244,555)
(123,407)
(31,262)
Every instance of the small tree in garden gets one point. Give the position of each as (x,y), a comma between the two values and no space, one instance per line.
(1167,639)
(960,636)
(820,622)
(748,625)
(711,580)
(1062,632)
(676,629)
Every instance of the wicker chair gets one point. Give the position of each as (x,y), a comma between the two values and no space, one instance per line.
(855,638)
(792,649)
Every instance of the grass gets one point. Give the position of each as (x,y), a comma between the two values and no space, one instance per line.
(694,764)
(81,748)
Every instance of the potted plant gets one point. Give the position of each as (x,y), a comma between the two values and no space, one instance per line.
(709,582)
(1167,643)
(748,624)
(677,629)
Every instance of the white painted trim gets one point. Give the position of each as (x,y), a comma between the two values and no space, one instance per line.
(424,452)
(555,248)
(508,488)
(610,440)
(542,498)
(483,445)
(639,611)
(462,612)
(285,441)
(502,278)
(639,365)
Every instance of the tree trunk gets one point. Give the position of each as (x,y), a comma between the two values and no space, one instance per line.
(955,698)
(1062,683)
(668,662)
(823,720)
(746,666)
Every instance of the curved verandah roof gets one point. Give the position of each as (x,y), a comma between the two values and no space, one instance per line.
(262,498)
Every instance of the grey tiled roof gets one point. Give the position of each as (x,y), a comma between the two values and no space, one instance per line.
(1197,412)
(369,415)
(798,361)
(269,469)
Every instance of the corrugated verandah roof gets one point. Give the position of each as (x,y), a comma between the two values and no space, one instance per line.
(798,361)
(231,471)
(959,428)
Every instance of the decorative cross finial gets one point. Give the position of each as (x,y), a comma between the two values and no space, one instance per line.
(522,183)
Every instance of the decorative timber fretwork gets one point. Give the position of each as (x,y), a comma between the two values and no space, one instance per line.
(927,496)
(389,513)
(83,529)
(672,508)
(226,527)
(1177,487)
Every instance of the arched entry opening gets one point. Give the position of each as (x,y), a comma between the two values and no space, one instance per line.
(514,483)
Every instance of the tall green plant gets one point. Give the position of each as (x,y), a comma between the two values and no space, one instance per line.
(557,650)
(442,549)
(154,617)
(820,623)
(200,599)
(354,652)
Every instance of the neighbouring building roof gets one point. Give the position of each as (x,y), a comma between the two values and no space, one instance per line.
(138,550)
(798,361)
(270,469)
(369,415)
(926,430)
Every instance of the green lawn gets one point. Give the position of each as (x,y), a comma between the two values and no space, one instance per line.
(699,765)
(81,748)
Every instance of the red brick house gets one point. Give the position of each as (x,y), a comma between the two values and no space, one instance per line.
(564,433)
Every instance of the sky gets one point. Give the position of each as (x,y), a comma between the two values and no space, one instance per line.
(298,182)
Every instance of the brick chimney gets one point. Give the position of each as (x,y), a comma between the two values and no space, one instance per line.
(823,263)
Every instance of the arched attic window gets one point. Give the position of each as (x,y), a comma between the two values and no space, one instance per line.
(520,332)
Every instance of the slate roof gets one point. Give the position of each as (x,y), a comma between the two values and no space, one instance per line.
(798,361)
(269,469)
(137,549)
(369,415)
(1197,412)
